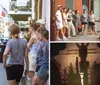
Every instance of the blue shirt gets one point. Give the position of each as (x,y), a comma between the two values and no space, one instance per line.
(43,54)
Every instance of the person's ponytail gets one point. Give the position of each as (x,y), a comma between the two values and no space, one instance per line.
(16,36)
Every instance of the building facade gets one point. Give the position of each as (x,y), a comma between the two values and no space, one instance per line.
(25,10)
(97,12)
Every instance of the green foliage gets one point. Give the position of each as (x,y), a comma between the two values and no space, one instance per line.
(73,78)
(27,37)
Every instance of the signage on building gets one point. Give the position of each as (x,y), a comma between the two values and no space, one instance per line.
(23,24)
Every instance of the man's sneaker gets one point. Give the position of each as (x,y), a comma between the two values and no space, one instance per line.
(69,37)
(65,38)
(58,39)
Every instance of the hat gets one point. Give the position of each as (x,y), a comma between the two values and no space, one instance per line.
(59,6)
(41,21)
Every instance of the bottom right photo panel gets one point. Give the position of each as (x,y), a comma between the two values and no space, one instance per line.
(75,63)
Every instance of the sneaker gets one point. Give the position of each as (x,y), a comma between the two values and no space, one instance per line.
(65,38)
(96,33)
(69,37)
(58,39)
(84,33)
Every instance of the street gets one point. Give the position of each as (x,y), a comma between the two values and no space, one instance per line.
(3,79)
(87,38)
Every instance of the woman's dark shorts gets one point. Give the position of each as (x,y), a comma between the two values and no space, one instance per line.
(91,23)
(14,72)
(84,23)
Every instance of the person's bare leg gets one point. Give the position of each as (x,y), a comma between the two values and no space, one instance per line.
(63,34)
(62,31)
(17,83)
(31,74)
(68,32)
(58,34)
(76,29)
(41,81)
(90,29)
(35,80)
(12,82)
(95,30)
(84,29)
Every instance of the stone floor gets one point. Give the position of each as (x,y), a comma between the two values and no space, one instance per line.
(87,38)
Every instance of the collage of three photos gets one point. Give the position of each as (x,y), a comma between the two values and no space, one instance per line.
(50,42)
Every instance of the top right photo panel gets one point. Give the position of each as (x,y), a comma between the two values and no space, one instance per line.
(75,20)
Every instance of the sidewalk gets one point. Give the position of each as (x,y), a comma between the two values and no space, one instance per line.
(86,37)
(3,79)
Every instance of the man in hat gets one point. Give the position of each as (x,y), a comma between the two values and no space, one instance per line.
(59,22)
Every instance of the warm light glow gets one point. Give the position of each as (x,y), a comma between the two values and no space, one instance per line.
(82,80)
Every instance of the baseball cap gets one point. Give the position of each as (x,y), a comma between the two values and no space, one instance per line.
(59,6)
(41,21)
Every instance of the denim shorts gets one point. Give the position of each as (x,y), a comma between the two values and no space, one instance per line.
(43,72)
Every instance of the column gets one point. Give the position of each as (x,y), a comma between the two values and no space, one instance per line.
(33,9)
(99,8)
(79,5)
(89,6)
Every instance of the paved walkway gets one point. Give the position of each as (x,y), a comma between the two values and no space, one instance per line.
(85,37)
(3,79)
(81,37)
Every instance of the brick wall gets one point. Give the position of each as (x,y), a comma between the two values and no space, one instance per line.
(78,5)
(59,2)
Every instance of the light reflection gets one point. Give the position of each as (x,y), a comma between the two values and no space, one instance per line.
(82,80)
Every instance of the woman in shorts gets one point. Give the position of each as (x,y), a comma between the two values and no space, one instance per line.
(77,21)
(43,56)
(65,24)
(14,63)
(32,45)
(91,20)
(84,19)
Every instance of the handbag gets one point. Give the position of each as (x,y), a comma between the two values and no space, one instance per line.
(23,80)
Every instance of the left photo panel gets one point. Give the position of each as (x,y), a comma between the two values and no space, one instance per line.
(24,42)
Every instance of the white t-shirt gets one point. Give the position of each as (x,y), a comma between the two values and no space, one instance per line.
(59,23)
(59,15)
(92,18)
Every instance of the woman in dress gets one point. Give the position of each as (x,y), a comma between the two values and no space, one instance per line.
(65,23)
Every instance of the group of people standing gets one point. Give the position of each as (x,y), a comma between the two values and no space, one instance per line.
(72,23)
(35,52)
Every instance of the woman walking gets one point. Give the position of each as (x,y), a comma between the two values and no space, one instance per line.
(84,19)
(65,24)
(59,22)
(92,26)
(77,21)
(70,24)
(43,57)
(14,64)
(32,45)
